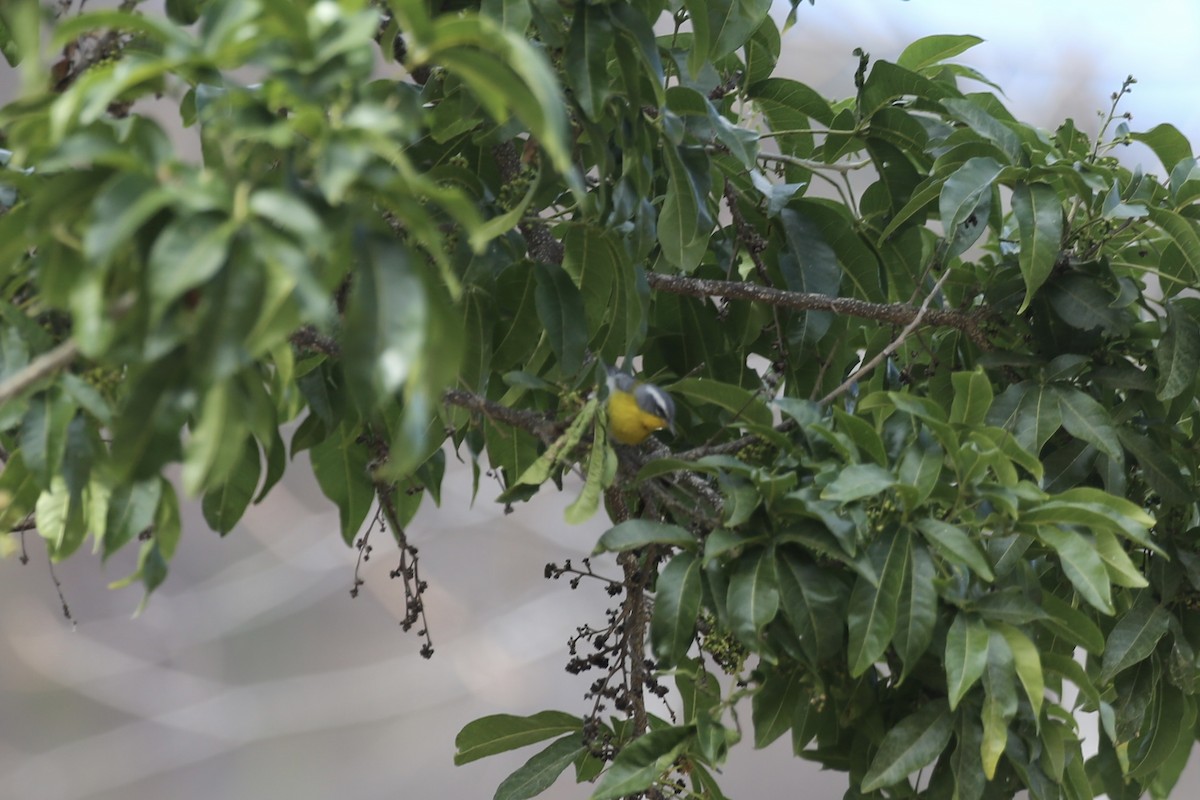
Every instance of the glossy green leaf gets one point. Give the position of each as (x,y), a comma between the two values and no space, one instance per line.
(43,434)
(225,503)
(1178,353)
(538,773)
(914,743)
(774,704)
(1038,211)
(972,397)
(641,762)
(916,611)
(1028,664)
(1134,637)
(131,510)
(499,733)
(1081,564)
(954,543)
(999,704)
(858,481)
(871,614)
(1167,142)
(187,253)
(561,311)
(677,599)
(386,318)
(587,58)
(931,50)
(1072,624)
(341,467)
(637,533)
(960,201)
(681,230)
(814,602)
(966,655)
(742,404)
(753,598)
(1182,231)
(1085,419)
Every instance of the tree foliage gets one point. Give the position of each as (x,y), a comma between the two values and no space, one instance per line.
(933,492)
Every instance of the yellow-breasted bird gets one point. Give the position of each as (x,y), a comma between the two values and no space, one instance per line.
(636,409)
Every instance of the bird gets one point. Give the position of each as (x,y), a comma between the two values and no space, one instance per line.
(636,409)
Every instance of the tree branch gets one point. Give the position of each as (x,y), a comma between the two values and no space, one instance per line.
(41,367)
(542,426)
(893,313)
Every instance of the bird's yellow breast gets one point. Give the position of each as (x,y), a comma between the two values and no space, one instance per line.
(627,422)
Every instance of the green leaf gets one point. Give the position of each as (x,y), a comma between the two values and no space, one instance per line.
(1134,637)
(871,616)
(561,310)
(1071,624)
(1039,216)
(500,733)
(131,509)
(122,206)
(225,503)
(1181,231)
(1178,353)
(858,481)
(19,491)
(966,655)
(1167,142)
(1160,470)
(637,533)
(682,222)
(916,610)
(972,397)
(540,772)
(642,762)
(774,704)
(814,602)
(1081,564)
(586,58)
(387,315)
(188,252)
(931,50)
(732,22)
(743,404)
(961,200)
(999,704)
(677,599)
(1171,728)
(987,126)
(1028,663)
(954,543)
(601,470)
(341,466)
(753,598)
(914,743)
(43,434)
(1087,420)
(1121,569)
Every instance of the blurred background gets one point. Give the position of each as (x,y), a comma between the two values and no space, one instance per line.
(253,673)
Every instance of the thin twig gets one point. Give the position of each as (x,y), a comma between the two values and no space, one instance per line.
(41,367)
(891,348)
(816,166)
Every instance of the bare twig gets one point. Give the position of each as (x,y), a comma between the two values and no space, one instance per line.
(815,166)
(892,347)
